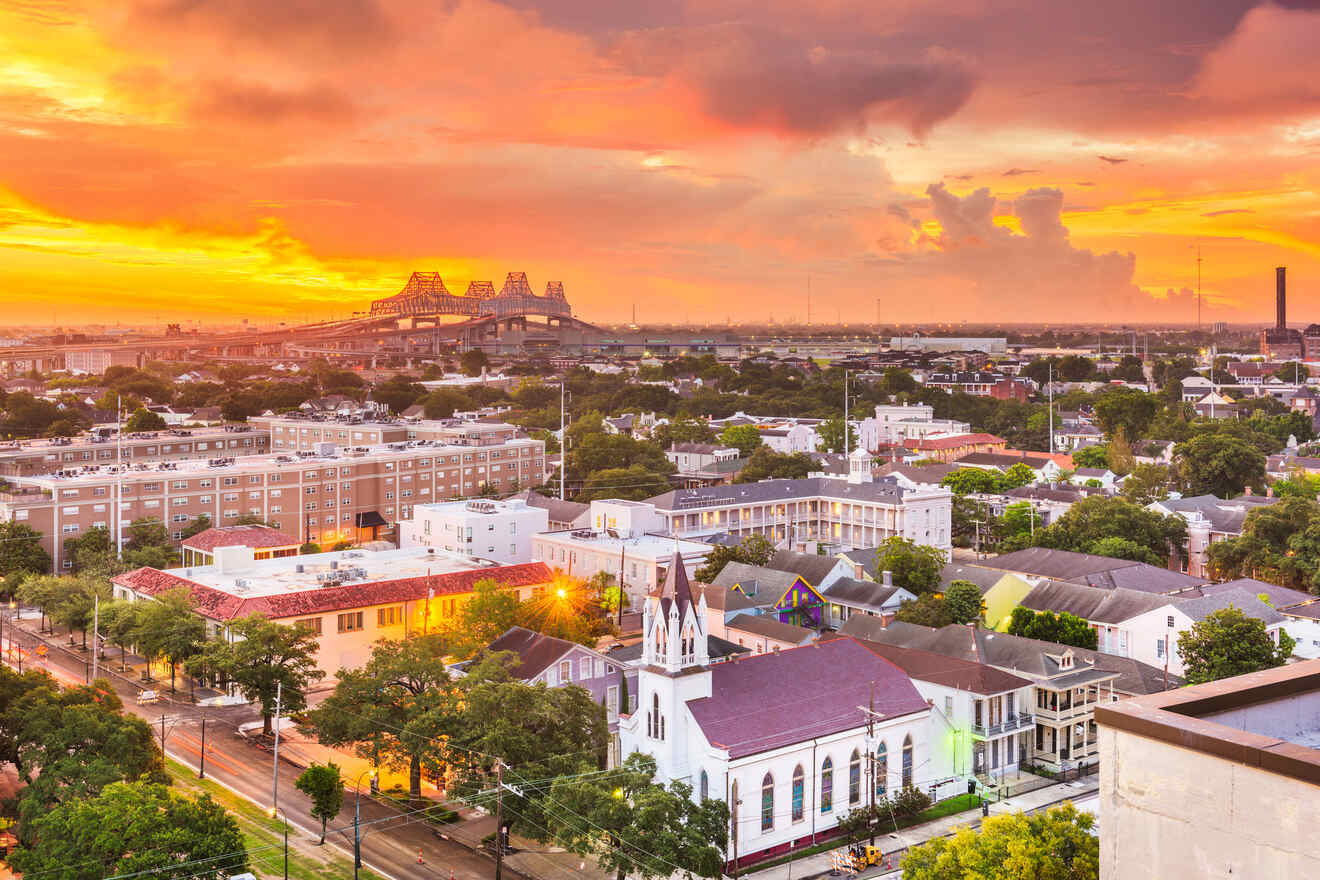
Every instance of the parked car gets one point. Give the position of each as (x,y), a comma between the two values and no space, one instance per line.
(145,697)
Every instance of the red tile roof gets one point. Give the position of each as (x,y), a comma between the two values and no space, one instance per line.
(254,536)
(955,442)
(222,606)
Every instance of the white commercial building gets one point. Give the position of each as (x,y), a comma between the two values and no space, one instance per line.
(626,538)
(500,531)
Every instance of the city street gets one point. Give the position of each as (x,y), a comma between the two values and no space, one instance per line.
(391,841)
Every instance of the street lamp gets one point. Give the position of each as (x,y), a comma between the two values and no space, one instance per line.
(357,821)
(271,812)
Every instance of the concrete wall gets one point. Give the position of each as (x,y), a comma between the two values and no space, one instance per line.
(1166,811)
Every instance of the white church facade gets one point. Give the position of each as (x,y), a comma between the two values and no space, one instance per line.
(792,740)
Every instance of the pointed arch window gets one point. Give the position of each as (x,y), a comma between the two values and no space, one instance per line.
(827,785)
(767,802)
(689,644)
(855,777)
(660,647)
(907,761)
(655,722)
(881,770)
(798,791)
(704,790)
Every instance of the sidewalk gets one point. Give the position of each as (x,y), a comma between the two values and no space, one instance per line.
(819,864)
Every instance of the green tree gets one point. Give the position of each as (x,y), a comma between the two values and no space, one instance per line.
(74,605)
(752,550)
(1299,484)
(169,629)
(133,828)
(488,613)
(1121,458)
(963,599)
(396,711)
(635,483)
(683,431)
(926,610)
(74,742)
(1019,474)
(1146,483)
(1091,457)
(325,786)
(745,437)
(1127,409)
(42,592)
(444,402)
(120,621)
(1057,844)
(21,552)
(1219,464)
(1093,519)
(543,732)
(264,660)
(398,392)
(473,362)
(1020,518)
(766,464)
(143,420)
(1129,368)
(197,526)
(1226,643)
(831,434)
(971,481)
(1292,371)
(1075,368)
(636,827)
(147,543)
(914,566)
(1065,628)
(92,550)
(1124,548)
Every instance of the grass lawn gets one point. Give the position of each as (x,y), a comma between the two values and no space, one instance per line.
(264,836)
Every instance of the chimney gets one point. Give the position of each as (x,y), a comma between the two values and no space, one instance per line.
(887,578)
(1281,296)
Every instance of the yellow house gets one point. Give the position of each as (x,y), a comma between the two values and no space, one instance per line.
(1001,591)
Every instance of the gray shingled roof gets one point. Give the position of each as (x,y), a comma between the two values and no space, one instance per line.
(860,594)
(983,577)
(722,598)
(1090,603)
(762,584)
(1244,600)
(1142,577)
(1058,564)
(1224,516)
(1021,656)
(766,626)
(1279,597)
(866,557)
(811,567)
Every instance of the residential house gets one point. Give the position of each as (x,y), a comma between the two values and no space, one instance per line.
(763,633)
(785,596)
(1044,468)
(562,515)
(1068,682)
(1097,571)
(848,596)
(1209,519)
(500,531)
(914,477)
(1155,633)
(818,571)
(1100,477)
(953,447)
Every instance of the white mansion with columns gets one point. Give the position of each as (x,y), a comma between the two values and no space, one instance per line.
(792,740)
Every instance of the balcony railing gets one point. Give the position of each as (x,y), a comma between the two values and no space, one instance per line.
(1010,724)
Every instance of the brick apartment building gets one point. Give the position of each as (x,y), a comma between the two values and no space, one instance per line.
(333,493)
(28,457)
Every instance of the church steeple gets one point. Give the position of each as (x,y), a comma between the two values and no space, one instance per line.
(674,626)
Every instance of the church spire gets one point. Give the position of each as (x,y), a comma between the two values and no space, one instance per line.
(676,586)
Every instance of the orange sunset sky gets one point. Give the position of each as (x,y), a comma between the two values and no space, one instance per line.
(1028,160)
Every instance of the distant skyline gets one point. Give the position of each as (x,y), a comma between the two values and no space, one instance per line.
(1021,161)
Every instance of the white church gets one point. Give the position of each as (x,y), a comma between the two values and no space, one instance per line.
(790,740)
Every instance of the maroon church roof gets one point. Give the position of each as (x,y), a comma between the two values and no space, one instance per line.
(221,606)
(254,536)
(768,701)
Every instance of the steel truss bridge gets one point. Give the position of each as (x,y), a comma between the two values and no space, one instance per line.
(425,295)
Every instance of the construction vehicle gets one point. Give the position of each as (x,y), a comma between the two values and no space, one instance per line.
(864,855)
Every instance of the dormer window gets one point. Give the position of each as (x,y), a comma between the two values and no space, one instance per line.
(1066,661)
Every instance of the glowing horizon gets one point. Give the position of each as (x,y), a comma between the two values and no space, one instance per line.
(210,161)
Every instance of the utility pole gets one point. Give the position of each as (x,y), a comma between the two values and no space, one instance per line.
(846,450)
(563,444)
(733,819)
(275,777)
(201,767)
(1050,393)
(870,756)
(623,550)
(499,817)
(119,477)
(96,635)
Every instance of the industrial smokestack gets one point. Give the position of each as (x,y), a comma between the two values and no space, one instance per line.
(1281,296)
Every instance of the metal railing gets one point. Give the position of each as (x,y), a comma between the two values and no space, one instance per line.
(1010,724)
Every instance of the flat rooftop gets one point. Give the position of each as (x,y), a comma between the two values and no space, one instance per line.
(657,546)
(292,461)
(272,577)
(180,435)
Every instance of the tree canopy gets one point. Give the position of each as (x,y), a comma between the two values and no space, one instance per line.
(1056,844)
(752,550)
(1219,464)
(914,566)
(1226,643)
(1086,525)
(1065,628)
(264,659)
